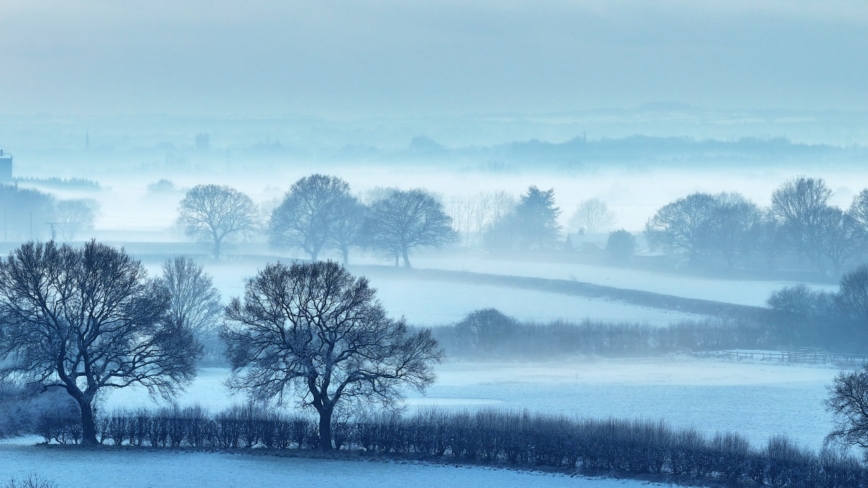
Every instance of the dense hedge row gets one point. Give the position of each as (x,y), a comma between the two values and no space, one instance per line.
(630,448)
(489,333)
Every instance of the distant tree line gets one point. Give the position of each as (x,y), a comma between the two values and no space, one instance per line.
(319,213)
(31,214)
(838,319)
(63,183)
(631,448)
(800,229)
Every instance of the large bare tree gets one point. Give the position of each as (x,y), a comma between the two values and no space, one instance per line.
(314,331)
(194,302)
(85,320)
(403,220)
(307,215)
(216,214)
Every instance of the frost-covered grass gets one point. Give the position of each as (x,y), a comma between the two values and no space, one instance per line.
(430,303)
(757,400)
(129,468)
(741,292)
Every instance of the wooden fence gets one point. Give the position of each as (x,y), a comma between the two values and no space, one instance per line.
(795,356)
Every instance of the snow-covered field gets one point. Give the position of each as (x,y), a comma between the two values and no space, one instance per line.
(742,292)
(71,468)
(757,400)
(430,303)
(437,303)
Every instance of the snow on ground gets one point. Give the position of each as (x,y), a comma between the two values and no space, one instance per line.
(757,400)
(742,292)
(429,303)
(436,303)
(73,468)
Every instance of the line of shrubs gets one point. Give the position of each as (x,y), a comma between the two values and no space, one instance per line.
(490,333)
(588,446)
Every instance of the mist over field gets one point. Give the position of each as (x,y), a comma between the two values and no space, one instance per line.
(598,225)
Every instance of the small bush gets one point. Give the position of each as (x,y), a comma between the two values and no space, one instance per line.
(32,480)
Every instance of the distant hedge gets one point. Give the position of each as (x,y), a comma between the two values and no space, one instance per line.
(489,333)
(630,448)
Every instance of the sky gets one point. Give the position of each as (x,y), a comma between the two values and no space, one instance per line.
(410,57)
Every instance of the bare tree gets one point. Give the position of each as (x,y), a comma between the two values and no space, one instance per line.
(194,302)
(838,239)
(315,332)
(799,205)
(680,225)
(75,216)
(731,229)
(85,320)
(771,238)
(404,220)
(859,209)
(471,217)
(347,225)
(853,294)
(461,212)
(307,214)
(217,214)
(848,403)
(593,216)
(502,203)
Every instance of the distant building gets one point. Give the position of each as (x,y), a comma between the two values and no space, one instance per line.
(5,167)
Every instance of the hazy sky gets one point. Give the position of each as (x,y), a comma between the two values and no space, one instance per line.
(407,57)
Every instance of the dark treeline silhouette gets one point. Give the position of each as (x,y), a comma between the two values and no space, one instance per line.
(490,334)
(31,214)
(62,183)
(799,232)
(837,319)
(632,448)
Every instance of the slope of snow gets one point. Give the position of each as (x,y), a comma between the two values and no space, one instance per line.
(742,292)
(430,303)
(134,468)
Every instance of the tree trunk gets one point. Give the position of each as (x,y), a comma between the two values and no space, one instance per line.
(313,255)
(88,426)
(406,259)
(217,250)
(325,429)
(346,254)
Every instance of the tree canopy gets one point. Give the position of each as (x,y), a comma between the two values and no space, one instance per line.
(217,214)
(403,220)
(88,319)
(315,332)
(318,210)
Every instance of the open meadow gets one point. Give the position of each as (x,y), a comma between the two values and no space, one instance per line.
(135,468)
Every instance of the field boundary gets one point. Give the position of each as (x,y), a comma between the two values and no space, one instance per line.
(579,288)
(794,356)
